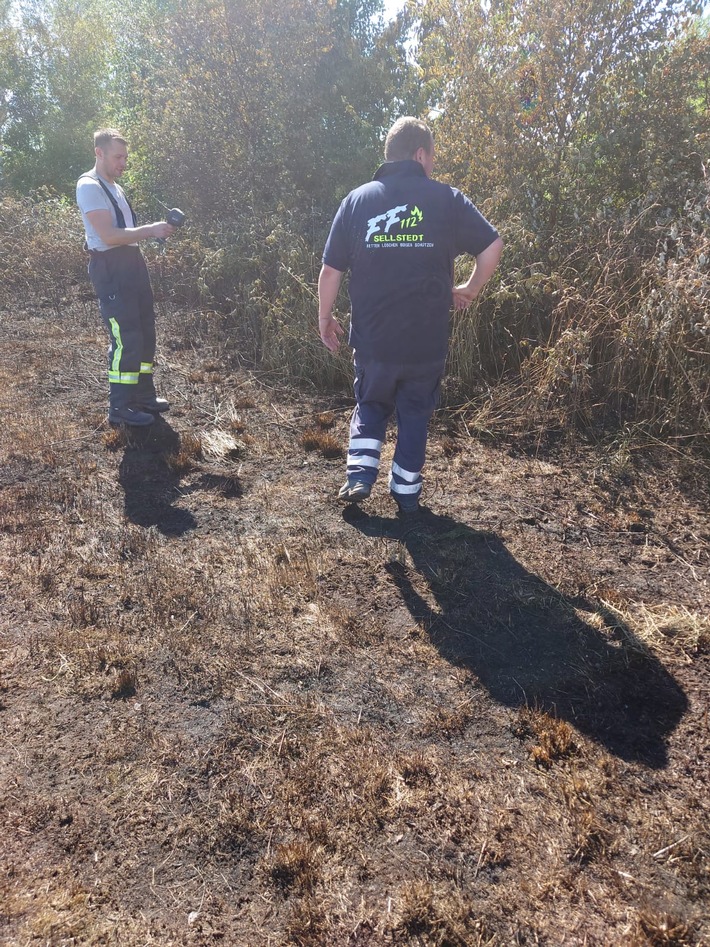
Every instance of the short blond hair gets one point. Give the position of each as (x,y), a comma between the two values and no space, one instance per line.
(104,136)
(406,137)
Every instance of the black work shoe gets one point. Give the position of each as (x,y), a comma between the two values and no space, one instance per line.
(154,405)
(354,492)
(408,512)
(132,416)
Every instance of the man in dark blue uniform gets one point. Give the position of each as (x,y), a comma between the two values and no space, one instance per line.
(399,235)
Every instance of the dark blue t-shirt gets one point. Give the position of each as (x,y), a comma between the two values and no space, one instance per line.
(399,235)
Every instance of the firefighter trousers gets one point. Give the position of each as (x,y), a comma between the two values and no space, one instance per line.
(122,284)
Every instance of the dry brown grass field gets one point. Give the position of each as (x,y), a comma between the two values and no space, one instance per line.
(234,713)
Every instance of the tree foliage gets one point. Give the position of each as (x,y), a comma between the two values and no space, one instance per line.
(225,101)
(555,108)
(581,127)
(56,70)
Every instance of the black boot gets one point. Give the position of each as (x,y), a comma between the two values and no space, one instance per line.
(146,398)
(124,410)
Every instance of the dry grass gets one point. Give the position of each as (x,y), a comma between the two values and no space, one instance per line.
(325,443)
(264,723)
(667,628)
(188,455)
(554,739)
(325,420)
(658,929)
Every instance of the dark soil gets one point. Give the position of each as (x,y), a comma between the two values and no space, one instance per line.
(236,712)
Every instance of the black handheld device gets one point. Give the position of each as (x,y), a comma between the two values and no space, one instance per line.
(175,217)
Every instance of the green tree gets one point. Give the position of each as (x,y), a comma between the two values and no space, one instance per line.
(551,107)
(258,104)
(56,72)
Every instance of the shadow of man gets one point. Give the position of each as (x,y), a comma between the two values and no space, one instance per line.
(150,483)
(527,644)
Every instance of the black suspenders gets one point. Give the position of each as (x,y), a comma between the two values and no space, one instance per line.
(120,219)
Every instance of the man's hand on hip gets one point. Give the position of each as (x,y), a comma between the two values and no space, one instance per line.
(486,263)
(464,296)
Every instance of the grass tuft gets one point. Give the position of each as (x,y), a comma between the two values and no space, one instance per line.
(124,684)
(592,839)
(308,924)
(294,865)
(115,438)
(316,439)
(187,457)
(660,929)
(418,914)
(325,420)
(447,722)
(555,739)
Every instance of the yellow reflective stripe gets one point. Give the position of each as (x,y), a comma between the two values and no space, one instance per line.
(115,375)
(118,351)
(123,378)
(146,368)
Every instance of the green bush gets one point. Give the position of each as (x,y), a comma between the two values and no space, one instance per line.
(616,331)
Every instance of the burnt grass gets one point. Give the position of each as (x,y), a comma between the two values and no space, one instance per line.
(234,712)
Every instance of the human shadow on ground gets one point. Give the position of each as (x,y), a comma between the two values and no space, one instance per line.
(151,481)
(527,644)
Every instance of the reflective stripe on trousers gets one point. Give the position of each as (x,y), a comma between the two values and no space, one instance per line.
(381,389)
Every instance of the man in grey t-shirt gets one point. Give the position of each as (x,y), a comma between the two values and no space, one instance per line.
(120,278)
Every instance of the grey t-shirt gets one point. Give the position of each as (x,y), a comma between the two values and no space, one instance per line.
(91,196)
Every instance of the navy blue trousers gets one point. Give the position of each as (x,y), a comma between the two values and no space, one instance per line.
(381,390)
(122,284)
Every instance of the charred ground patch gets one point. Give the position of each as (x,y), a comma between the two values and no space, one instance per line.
(233,714)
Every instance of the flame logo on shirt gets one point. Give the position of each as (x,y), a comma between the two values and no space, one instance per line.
(383,223)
